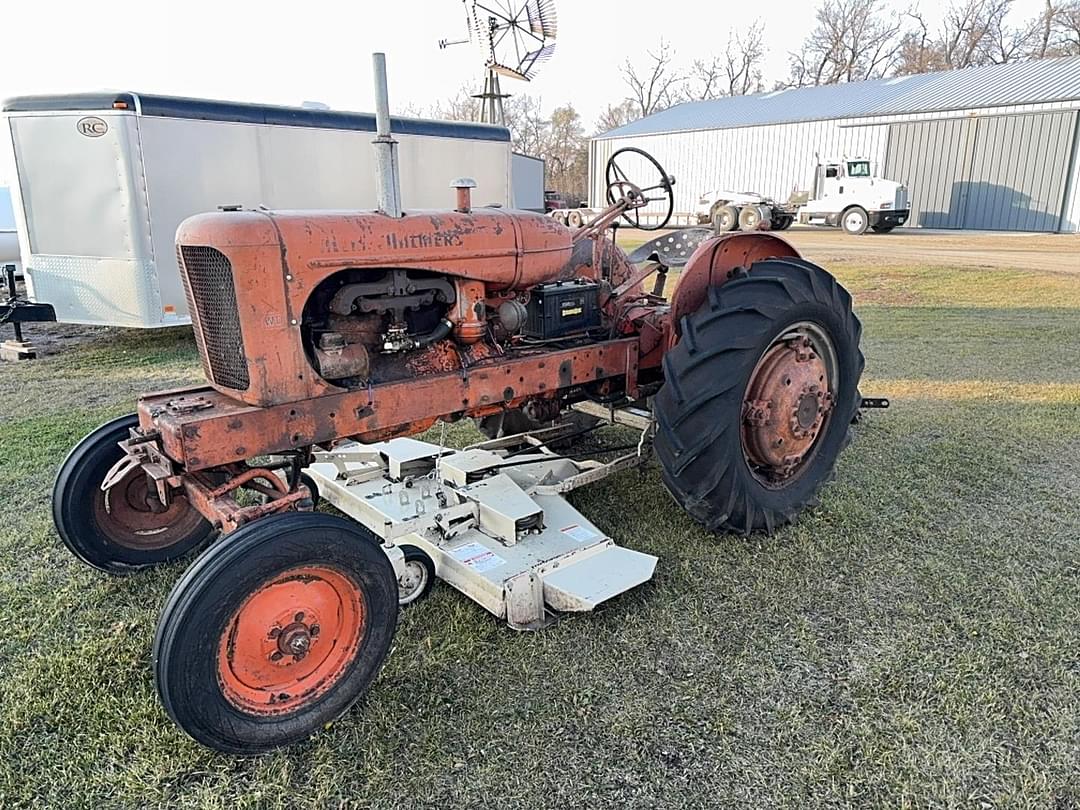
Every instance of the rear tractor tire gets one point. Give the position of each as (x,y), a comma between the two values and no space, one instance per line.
(758,397)
(270,636)
(126,527)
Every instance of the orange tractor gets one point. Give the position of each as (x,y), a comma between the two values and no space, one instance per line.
(325,336)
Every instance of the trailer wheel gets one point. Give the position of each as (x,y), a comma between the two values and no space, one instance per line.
(125,528)
(418,578)
(749,218)
(758,396)
(725,218)
(855,220)
(270,636)
(574,219)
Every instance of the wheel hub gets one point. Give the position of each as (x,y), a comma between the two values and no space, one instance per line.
(294,639)
(291,640)
(134,517)
(786,405)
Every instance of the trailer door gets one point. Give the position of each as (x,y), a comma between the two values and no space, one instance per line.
(83,207)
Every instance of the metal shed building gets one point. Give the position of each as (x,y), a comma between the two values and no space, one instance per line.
(993,148)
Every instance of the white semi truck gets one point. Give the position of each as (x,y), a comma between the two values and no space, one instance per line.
(845,193)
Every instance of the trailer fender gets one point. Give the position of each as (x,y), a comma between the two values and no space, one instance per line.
(714,262)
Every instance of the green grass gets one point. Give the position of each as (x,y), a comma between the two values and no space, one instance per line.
(913,642)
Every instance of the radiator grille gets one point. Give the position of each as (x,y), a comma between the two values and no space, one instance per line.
(208,281)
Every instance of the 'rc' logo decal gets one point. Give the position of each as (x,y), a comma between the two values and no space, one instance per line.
(92,127)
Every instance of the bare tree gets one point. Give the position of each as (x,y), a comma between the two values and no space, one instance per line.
(566,153)
(735,73)
(1068,29)
(852,40)
(968,31)
(979,32)
(1058,29)
(656,86)
(617,115)
(527,124)
(919,49)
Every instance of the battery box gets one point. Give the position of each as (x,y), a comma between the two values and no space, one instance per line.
(562,308)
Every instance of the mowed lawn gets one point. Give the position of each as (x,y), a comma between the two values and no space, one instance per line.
(913,642)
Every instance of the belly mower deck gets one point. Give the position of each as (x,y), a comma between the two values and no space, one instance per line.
(491,518)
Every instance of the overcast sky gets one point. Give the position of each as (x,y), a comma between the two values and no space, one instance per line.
(289,52)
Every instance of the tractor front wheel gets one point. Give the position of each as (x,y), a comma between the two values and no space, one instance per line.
(758,396)
(276,632)
(126,527)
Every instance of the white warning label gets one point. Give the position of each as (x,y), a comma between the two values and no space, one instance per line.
(477,557)
(578,533)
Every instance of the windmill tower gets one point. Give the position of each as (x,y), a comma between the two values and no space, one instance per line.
(516,37)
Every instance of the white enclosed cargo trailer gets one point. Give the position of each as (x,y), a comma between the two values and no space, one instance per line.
(9,236)
(105,179)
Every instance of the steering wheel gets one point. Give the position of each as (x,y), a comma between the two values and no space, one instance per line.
(637,197)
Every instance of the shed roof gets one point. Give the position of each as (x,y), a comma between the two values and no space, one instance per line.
(1037,81)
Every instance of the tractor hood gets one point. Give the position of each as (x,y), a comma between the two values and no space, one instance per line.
(502,248)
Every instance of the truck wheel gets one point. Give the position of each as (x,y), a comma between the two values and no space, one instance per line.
(125,528)
(855,220)
(270,636)
(574,219)
(783,223)
(749,218)
(881,228)
(725,218)
(758,396)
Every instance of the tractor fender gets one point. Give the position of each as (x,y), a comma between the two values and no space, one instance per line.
(714,262)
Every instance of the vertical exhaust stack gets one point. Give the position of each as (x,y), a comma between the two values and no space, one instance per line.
(387,183)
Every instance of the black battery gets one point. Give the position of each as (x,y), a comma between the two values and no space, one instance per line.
(562,308)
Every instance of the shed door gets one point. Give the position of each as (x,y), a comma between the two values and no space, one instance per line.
(932,159)
(1003,172)
(1018,172)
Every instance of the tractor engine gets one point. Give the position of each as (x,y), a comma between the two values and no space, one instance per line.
(290,306)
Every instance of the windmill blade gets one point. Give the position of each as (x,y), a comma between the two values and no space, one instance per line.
(541,16)
(517,36)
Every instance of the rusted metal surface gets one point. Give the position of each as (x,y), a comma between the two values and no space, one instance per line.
(219,505)
(134,517)
(786,405)
(715,261)
(231,430)
(278,259)
(291,640)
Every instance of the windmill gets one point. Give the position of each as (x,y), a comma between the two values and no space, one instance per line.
(516,37)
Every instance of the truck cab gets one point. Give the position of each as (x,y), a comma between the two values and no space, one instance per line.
(849,193)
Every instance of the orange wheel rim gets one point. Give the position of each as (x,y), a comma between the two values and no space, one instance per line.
(291,640)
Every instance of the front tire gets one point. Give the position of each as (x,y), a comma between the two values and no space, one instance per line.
(855,220)
(770,357)
(125,528)
(273,634)
(881,228)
